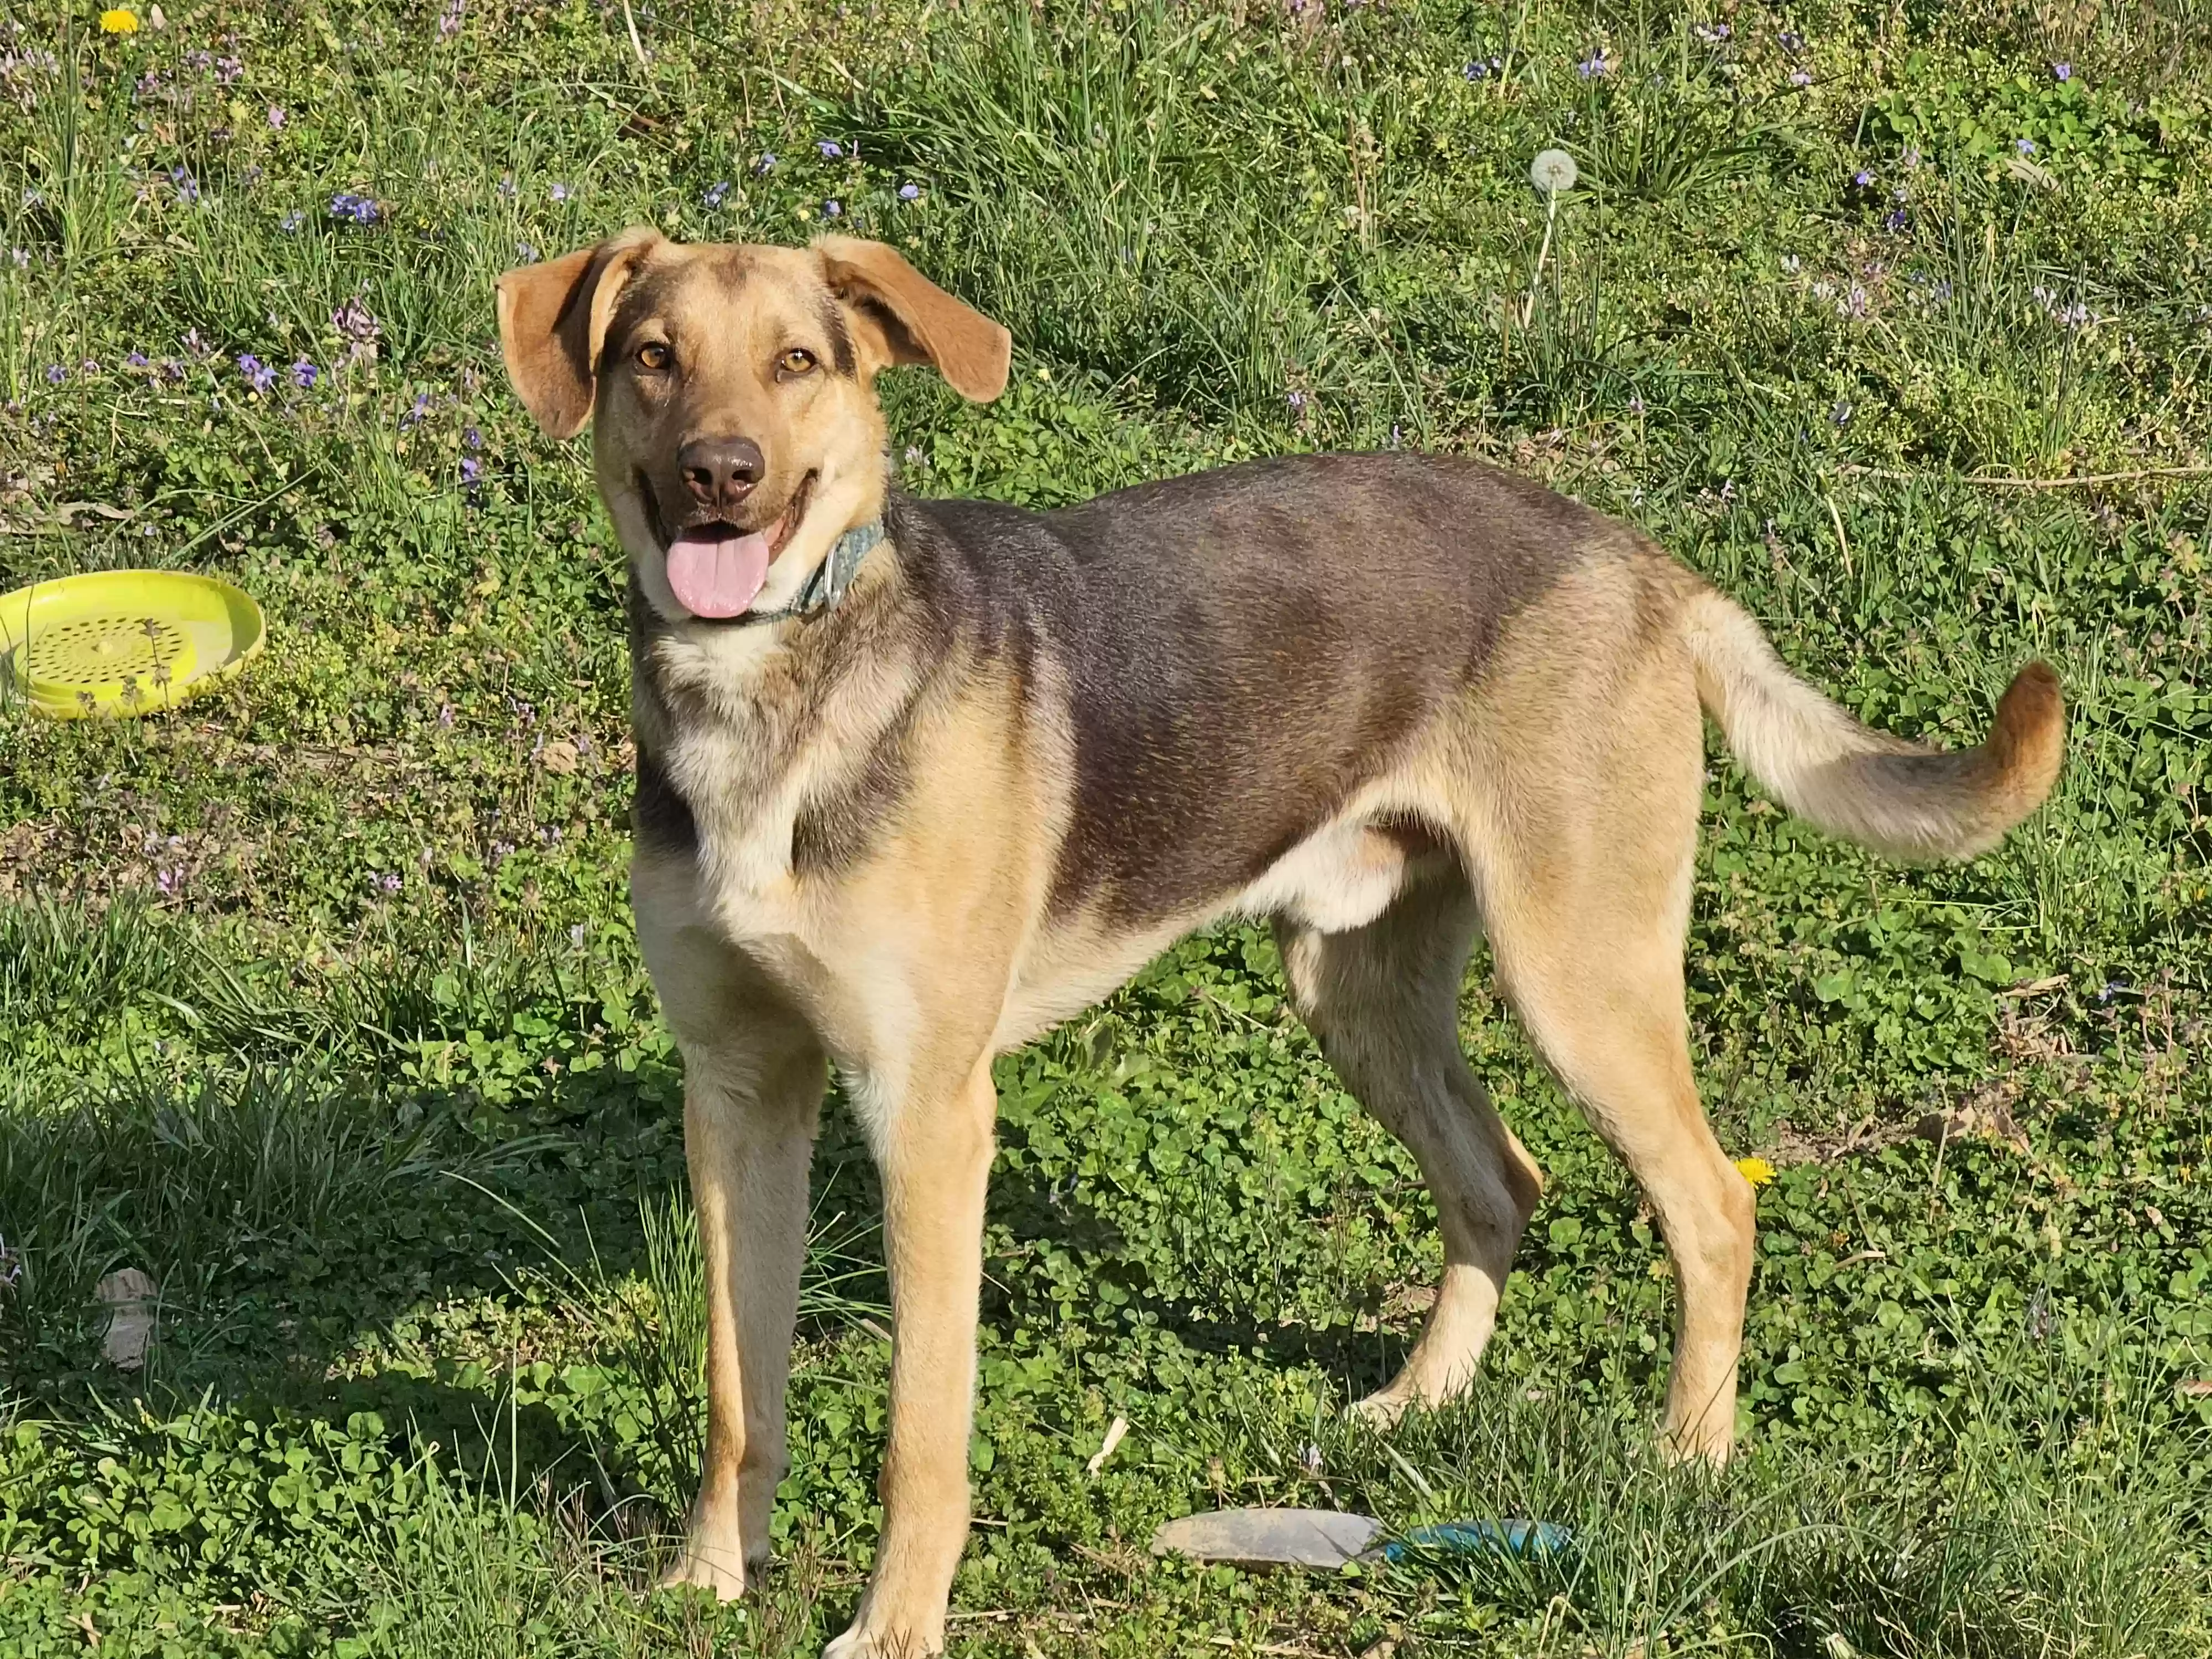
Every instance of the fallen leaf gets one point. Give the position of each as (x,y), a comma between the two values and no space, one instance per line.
(1114,1431)
(129,1292)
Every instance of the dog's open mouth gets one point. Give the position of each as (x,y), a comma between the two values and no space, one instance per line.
(717,569)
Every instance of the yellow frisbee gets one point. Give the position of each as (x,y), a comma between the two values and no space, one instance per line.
(116,642)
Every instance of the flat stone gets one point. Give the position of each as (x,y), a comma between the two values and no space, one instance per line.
(1259,1539)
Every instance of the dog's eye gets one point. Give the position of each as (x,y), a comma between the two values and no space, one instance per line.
(653,355)
(797,361)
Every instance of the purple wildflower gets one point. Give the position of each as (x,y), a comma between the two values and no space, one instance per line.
(830,148)
(908,192)
(362,209)
(55,373)
(303,374)
(276,118)
(833,209)
(2025,146)
(1897,220)
(292,221)
(1864,178)
(471,438)
(1800,78)
(255,373)
(561,192)
(414,417)
(2062,71)
(1593,65)
(89,368)
(716,192)
(135,359)
(766,161)
(188,191)
(449,20)
(471,469)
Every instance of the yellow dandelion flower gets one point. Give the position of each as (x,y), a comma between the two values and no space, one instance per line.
(119,19)
(1757,1170)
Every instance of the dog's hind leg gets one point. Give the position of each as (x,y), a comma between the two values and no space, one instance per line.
(1586,919)
(1383,1001)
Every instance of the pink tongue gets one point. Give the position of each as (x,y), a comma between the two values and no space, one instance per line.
(717,576)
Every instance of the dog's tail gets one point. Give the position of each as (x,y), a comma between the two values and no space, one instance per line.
(1880,791)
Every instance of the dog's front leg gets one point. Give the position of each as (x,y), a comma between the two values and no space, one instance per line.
(754,1076)
(935,1150)
(747,1142)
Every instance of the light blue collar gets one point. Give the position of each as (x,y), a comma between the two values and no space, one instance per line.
(827,586)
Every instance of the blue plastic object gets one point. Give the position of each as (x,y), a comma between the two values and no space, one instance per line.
(1481,1538)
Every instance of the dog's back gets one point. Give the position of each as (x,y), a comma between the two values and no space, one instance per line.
(1244,648)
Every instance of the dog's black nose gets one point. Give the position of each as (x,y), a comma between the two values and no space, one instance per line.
(720,472)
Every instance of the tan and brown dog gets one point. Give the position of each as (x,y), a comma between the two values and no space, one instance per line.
(917,779)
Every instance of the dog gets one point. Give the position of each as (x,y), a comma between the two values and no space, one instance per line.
(918,779)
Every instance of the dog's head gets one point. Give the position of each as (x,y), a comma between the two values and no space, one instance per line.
(736,431)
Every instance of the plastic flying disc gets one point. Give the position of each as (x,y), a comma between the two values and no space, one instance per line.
(116,642)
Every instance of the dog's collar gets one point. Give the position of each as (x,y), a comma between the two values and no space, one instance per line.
(827,586)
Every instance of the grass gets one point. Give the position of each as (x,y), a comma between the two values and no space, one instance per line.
(319,1000)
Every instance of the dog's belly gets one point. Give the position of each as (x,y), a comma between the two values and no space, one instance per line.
(1341,878)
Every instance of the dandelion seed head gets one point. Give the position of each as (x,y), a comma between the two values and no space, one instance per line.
(1552,171)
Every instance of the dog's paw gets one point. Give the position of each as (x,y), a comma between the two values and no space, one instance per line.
(707,1565)
(1379,1412)
(865,1640)
(1699,1445)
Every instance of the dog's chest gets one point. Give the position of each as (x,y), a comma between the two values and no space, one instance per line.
(745,805)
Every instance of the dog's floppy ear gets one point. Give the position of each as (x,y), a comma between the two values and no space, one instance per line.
(553,320)
(908,318)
